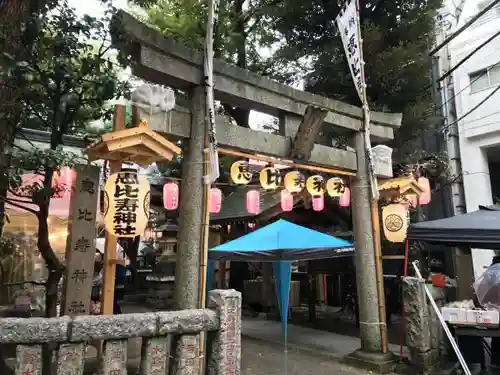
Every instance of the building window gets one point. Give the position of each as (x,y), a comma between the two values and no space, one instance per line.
(484,78)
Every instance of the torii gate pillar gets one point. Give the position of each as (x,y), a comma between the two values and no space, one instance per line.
(371,354)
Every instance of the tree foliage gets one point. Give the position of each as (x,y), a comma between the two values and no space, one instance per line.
(396,40)
(65,82)
(396,34)
(242,32)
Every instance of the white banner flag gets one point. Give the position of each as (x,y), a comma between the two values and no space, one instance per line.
(348,24)
(350,33)
(214,172)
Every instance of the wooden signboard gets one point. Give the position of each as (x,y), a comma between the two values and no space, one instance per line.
(80,246)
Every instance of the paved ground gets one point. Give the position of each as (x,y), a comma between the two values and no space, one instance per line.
(330,344)
(262,358)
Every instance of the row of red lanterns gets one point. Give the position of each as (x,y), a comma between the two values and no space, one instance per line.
(171,199)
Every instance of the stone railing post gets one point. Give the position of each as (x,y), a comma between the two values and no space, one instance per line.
(422,328)
(224,345)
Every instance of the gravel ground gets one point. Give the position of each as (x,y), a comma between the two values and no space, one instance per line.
(262,358)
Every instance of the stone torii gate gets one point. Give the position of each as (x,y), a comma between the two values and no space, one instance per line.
(160,60)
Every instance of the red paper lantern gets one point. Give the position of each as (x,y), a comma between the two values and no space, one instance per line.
(318,202)
(286,201)
(68,177)
(345,198)
(253,202)
(171,196)
(215,200)
(63,181)
(425,197)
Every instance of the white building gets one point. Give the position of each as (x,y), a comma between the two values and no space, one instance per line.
(479,130)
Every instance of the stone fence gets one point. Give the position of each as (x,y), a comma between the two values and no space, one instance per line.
(159,331)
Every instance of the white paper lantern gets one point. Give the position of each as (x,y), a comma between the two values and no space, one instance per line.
(395,220)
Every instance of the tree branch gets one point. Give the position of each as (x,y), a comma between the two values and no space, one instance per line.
(15,204)
(19,196)
(40,283)
(259,11)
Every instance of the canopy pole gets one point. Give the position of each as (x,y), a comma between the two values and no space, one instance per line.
(403,321)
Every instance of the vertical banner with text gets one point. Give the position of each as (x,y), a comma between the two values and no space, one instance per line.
(349,27)
(208,65)
(80,245)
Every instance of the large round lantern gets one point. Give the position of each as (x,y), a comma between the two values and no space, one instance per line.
(171,196)
(253,202)
(294,182)
(425,197)
(318,202)
(395,220)
(335,187)
(286,201)
(270,178)
(126,204)
(241,172)
(345,198)
(315,185)
(215,200)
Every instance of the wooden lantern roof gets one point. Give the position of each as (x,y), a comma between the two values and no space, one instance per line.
(399,186)
(138,145)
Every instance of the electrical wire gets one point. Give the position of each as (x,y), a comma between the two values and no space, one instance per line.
(464,27)
(472,53)
(471,110)
(487,70)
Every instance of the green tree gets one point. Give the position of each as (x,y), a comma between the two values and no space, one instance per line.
(16,18)
(242,30)
(396,40)
(65,83)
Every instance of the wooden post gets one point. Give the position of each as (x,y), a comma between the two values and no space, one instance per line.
(80,249)
(109,271)
(380,277)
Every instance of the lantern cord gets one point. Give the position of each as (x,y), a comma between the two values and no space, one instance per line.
(220,183)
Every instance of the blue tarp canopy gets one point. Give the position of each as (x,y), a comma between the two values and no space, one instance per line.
(282,240)
(282,243)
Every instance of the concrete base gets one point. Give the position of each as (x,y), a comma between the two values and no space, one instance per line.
(376,362)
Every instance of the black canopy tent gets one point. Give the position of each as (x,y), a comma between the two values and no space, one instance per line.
(479,229)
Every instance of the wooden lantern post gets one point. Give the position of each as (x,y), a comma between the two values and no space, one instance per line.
(111,242)
(138,145)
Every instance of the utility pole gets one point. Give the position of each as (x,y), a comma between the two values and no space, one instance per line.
(445,104)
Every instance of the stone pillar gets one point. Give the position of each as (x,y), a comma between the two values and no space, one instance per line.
(424,334)
(370,354)
(224,345)
(187,278)
(289,124)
